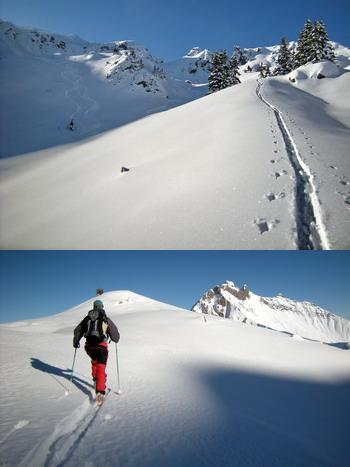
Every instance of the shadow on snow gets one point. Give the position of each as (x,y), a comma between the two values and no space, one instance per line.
(57,373)
(248,419)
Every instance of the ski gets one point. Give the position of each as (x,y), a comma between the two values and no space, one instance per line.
(100,399)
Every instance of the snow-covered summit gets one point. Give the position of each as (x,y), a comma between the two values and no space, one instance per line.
(57,89)
(178,374)
(197,52)
(116,61)
(15,40)
(302,319)
(194,66)
(115,303)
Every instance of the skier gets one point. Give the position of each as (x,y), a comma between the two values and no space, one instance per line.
(70,125)
(97,328)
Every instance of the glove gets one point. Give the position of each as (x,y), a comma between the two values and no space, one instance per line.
(76,345)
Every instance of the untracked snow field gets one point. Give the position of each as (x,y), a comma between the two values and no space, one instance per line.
(215,173)
(196,393)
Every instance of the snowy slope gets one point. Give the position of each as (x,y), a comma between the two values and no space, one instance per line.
(195,393)
(197,180)
(301,319)
(318,116)
(261,165)
(48,79)
(214,173)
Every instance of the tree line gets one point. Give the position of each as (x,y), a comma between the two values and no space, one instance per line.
(313,45)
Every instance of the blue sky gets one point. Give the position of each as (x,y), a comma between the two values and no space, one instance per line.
(41,283)
(171,28)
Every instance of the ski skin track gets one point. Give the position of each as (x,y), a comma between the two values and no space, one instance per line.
(47,453)
(318,238)
(78,432)
(81,434)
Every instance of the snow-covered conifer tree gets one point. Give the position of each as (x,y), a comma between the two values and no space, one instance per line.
(238,53)
(304,49)
(284,59)
(219,72)
(233,77)
(264,70)
(313,44)
(293,51)
(322,49)
(267,70)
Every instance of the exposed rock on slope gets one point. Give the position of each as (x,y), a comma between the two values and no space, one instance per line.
(302,319)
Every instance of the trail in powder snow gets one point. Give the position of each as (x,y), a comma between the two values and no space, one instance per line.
(78,94)
(59,447)
(311,232)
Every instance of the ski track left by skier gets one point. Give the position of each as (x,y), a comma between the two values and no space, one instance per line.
(58,447)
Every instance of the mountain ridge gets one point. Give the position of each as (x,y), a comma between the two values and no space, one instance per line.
(68,88)
(178,374)
(301,318)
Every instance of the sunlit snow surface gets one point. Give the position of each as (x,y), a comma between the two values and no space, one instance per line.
(195,393)
(298,319)
(211,173)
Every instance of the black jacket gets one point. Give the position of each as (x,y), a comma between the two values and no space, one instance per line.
(80,330)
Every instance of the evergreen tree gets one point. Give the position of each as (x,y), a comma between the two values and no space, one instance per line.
(293,51)
(267,70)
(313,44)
(223,72)
(284,59)
(303,52)
(233,77)
(260,69)
(219,71)
(241,58)
(264,70)
(322,49)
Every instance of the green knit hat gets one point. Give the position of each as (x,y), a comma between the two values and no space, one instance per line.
(98,305)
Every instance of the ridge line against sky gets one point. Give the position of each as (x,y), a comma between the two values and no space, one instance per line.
(41,283)
(171,29)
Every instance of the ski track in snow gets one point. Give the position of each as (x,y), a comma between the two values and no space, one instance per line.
(58,448)
(91,123)
(311,232)
(21,424)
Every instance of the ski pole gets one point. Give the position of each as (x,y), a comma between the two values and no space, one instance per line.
(75,353)
(116,355)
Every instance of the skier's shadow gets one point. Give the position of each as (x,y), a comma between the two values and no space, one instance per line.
(55,372)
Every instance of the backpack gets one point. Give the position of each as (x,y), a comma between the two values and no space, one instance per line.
(95,328)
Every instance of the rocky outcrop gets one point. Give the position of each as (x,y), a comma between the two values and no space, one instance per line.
(302,319)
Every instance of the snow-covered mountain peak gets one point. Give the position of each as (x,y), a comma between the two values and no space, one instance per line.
(68,88)
(119,61)
(230,378)
(229,291)
(197,52)
(192,67)
(303,319)
(16,40)
(116,303)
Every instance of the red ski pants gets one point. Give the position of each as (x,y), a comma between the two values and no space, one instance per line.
(99,355)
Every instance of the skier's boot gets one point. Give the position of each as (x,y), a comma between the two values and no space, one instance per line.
(100,398)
